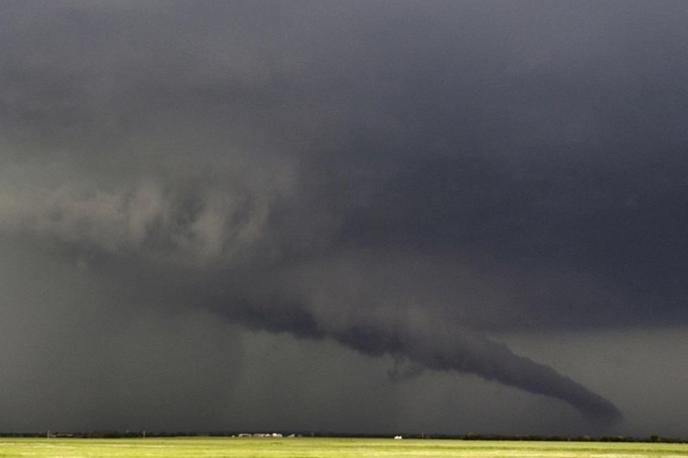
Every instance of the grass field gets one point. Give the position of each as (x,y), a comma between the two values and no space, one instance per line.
(322,447)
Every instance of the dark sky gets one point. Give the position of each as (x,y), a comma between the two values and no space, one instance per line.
(373,216)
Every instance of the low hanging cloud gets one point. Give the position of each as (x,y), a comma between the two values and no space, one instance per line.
(210,233)
(202,223)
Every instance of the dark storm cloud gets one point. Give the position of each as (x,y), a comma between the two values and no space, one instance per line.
(361,172)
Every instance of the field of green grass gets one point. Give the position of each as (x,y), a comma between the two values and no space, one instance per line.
(323,448)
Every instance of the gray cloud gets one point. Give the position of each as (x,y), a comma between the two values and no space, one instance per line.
(407,179)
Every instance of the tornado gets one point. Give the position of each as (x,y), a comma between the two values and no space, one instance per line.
(444,350)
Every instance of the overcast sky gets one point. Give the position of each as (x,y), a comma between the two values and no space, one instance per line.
(361,216)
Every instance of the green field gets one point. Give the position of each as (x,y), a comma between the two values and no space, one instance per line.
(322,447)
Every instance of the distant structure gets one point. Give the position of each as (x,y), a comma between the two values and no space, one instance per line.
(261,435)
(398,437)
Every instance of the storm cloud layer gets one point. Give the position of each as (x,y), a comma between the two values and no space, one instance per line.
(405,179)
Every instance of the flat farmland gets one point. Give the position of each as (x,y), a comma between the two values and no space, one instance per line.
(324,447)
